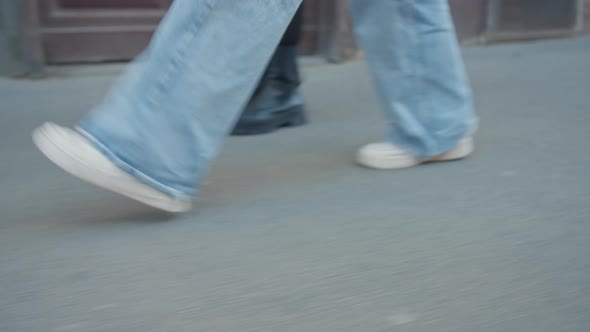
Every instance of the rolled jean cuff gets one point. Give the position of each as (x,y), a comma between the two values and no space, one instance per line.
(132,170)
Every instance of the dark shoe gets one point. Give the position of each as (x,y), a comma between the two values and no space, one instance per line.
(276,102)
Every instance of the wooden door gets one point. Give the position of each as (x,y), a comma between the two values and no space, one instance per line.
(71,31)
(90,31)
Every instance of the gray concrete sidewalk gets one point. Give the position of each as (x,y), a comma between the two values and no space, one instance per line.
(289,235)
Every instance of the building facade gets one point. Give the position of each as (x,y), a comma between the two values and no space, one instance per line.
(37,33)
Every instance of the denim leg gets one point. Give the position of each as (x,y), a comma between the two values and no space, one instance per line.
(166,117)
(415,59)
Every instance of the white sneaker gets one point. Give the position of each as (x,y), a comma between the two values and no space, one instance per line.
(389,156)
(77,156)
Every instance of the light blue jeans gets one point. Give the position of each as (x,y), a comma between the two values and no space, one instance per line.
(165,119)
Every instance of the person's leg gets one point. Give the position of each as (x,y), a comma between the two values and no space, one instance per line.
(150,125)
(292,35)
(276,102)
(415,59)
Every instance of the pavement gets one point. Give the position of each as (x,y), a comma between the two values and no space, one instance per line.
(290,235)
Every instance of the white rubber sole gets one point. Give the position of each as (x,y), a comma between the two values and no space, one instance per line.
(462,150)
(384,156)
(76,155)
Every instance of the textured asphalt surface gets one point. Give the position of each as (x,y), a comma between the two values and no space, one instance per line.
(289,235)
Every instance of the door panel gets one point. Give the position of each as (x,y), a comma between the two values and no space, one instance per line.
(113,4)
(83,31)
(97,30)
